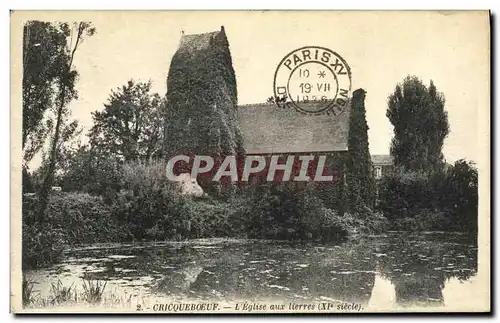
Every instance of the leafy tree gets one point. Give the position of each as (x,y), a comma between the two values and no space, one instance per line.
(65,81)
(88,170)
(27,181)
(131,125)
(41,48)
(420,125)
(359,173)
(433,200)
(462,195)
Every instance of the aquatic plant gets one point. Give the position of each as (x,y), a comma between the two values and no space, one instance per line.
(27,291)
(93,290)
(60,293)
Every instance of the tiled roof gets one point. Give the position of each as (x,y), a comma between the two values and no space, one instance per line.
(382,160)
(269,129)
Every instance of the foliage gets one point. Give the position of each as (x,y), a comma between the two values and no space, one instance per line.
(433,200)
(42,44)
(209,219)
(359,169)
(364,222)
(147,200)
(424,220)
(420,125)
(61,293)
(201,101)
(462,197)
(131,125)
(154,209)
(72,219)
(406,192)
(93,290)
(285,211)
(89,171)
(41,245)
(66,79)
(27,181)
(28,296)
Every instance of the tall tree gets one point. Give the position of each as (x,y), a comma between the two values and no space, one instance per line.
(66,78)
(131,125)
(420,125)
(359,173)
(41,48)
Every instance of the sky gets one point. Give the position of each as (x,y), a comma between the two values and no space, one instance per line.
(381,48)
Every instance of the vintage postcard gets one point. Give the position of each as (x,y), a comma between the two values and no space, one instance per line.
(250,162)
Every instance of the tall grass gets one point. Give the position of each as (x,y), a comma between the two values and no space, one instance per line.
(60,293)
(93,290)
(28,295)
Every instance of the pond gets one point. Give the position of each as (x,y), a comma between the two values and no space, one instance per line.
(395,270)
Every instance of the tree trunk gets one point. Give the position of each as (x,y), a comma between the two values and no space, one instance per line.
(49,178)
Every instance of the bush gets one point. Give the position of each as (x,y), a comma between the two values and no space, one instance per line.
(154,209)
(444,200)
(41,245)
(85,219)
(405,193)
(147,202)
(288,212)
(71,219)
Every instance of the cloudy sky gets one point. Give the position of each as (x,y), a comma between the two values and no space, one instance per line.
(452,49)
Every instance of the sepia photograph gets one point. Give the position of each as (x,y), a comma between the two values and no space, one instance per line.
(250,162)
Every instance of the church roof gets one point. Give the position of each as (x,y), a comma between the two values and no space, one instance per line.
(267,129)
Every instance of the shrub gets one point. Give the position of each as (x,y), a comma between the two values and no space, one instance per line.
(42,245)
(404,193)
(155,210)
(71,219)
(444,200)
(148,202)
(287,211)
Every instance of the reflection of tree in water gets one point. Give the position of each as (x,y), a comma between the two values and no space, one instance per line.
(419,267)
(294,272)
(419,290)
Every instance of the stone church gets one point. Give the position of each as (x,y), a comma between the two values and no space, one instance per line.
(203,115)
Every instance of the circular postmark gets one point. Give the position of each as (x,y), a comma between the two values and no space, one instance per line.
(313,80)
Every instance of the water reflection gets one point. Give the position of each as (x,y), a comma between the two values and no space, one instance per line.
(381,272)
(419,267)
